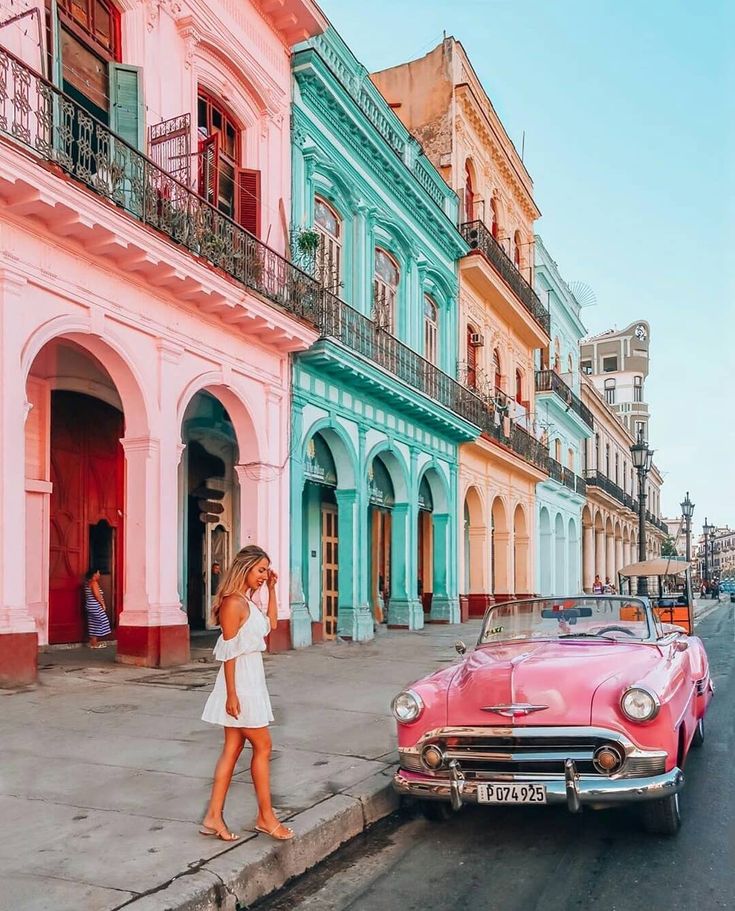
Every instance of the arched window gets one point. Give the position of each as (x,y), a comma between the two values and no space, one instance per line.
(471,357)
(557,354)
(235,191)
(328,225)
(519,386)
(385,289)
(497,372)
(557,450)
(517,243)
(494,218)
(570,364)
(570,459)
(431,330)
(89,39)
(469,193)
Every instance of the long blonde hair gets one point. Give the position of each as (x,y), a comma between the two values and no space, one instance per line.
(234,581)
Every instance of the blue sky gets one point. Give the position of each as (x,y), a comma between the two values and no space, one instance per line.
(627,109)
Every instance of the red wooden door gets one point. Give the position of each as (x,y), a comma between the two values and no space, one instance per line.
(87,499)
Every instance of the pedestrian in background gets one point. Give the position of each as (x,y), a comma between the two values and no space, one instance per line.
(597,586)
(98,623)
(240,701)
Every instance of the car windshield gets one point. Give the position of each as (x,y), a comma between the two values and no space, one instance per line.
(605,619)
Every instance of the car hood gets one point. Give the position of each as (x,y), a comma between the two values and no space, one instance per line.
(561,676)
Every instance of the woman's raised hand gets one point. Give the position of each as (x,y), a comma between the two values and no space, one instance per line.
(272,579)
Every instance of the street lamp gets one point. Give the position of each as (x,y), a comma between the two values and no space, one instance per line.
(687,510)
(642,458)
(707,530)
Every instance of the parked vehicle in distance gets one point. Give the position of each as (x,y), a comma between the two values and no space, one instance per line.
(587,700)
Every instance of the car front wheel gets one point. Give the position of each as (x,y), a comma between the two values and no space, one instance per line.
(698,738)
(436,810)
(662,817)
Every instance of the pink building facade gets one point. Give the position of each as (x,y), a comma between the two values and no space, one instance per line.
(145,334)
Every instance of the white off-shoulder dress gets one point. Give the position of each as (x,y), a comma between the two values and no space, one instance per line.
(246,646)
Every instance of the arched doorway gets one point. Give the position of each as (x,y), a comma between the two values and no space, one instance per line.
(588,549)
(560,556)
(425,541)
(545,548)
(573,554)
(500,551)
(436,549)
(521,575)
(381,499)
(320,516)
(476,555)
(210,504)
(75,506)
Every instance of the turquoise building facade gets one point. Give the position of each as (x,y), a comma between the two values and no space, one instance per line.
(565,423)
(376,409)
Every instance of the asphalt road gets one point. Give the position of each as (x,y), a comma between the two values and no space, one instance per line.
(534,859)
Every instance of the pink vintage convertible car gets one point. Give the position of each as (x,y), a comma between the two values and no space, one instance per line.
(589,701)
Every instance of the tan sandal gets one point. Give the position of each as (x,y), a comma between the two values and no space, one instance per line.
(272,833)
(223,834)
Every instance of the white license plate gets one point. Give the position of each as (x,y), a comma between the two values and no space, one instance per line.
(511,793)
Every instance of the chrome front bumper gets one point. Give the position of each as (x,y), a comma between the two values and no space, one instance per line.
(573,790)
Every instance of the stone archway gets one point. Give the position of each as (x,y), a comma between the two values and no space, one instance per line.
(546,582)
(521,553)
(573,554)
(588,549)
(500,551)
(436,549)
(560,556)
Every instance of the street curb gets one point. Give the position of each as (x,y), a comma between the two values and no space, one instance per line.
(231,880)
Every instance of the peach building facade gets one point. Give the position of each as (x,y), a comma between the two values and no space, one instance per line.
(502,321)
(145,335)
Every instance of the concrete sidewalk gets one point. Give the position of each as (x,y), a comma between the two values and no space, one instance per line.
(105,773)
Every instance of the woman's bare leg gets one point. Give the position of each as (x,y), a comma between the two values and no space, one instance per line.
(234,742)
(260,740)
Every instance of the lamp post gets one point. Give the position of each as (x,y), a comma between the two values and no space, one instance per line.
(707,530)
(642,458)
(687,511)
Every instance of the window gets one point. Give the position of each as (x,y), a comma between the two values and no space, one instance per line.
(89,38)
(328,226)
(609,364)
(431,328)
(497,374)
(570,459)
(607,460)
(517,244)
(557,354)
(610,392)
(586,367)
(617,468)
(471,357)
(519,386)
(570,364)
(494,218)
(469,193)
(640,430)
(557,450)
(235,191)
(385,288)
(637,388)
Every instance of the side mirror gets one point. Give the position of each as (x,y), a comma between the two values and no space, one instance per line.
(681,645)
(459,647)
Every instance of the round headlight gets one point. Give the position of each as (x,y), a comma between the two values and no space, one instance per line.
(639,704)
(407,707)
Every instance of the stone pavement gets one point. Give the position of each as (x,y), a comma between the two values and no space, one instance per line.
(105,773)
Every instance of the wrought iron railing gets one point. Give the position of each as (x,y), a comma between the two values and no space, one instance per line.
(550,381)
(581,486)
(38,115)
(598,479)
(570,479)
(479,237)
(555,470)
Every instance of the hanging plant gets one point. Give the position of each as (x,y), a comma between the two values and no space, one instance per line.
(307,242)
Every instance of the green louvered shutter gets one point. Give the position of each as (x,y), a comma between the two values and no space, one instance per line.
(127,111)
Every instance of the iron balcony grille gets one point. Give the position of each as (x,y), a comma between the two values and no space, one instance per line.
(480,238)
(570,479)
(581,486)
(555,470)
(37,115)
(598,479)
(550,381)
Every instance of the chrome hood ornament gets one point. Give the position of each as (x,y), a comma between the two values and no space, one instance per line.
(514,709)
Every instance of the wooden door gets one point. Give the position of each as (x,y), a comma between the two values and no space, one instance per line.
(330,570)
(87,502)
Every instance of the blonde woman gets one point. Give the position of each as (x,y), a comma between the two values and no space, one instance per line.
(239,701)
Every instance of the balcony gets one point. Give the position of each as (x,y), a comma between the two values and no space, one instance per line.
(65,140)
(534,320)
(598,479)
(550,381)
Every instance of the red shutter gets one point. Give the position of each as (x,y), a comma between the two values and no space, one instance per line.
(471,360)
(248,200)
(209,169)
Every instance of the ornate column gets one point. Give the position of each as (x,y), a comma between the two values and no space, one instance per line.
(501,554)
(355,620)
(150,633)
(18,636)
(301,618)
(404,609)
(444,607)
(588,557)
